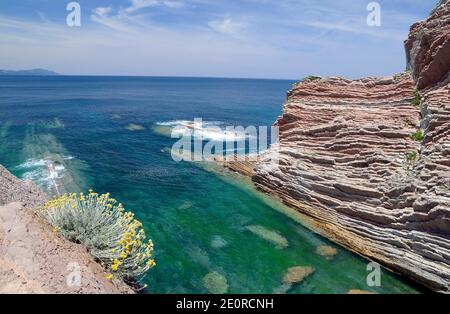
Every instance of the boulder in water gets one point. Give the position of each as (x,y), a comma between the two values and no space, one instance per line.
(297,274)
(326,251)
(269,235)
(215,283)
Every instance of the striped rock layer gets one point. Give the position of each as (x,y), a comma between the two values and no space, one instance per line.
(368,165)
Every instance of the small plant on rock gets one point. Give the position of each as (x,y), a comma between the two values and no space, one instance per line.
(112,235)
(418,136)
(311,78)
(417,99)
(411,157)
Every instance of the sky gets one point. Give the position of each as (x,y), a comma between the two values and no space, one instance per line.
(282,39)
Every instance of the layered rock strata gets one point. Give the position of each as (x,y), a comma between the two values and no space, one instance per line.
(369,160)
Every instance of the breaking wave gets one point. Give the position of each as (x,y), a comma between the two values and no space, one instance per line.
(44,172)
(206,130)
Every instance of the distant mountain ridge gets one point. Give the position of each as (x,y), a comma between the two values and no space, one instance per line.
(33,72)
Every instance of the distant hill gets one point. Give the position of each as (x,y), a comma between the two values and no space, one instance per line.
(33,72)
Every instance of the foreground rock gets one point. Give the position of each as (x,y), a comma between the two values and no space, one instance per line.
(33,258)
(368,162)
(15,190)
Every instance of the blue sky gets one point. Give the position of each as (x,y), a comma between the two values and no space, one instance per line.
(214,38)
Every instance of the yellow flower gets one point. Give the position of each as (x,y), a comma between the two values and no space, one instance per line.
(151,263)
(130,245)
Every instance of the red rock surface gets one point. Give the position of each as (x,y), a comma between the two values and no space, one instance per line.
(428,47)
(346,159)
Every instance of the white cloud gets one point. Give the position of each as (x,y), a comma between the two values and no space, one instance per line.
(101,16)
(227,26)
(141,4)
(102,11)
(352,28)
(119,21)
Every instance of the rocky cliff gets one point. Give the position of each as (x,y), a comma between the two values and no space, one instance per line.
(33,258)
(369,160)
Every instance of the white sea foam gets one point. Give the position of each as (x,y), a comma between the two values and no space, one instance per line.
(188,122)
(206,130)
(45,172)
(31,163)
(59,168)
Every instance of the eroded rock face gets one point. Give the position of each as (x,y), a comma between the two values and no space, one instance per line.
(15,190)
(35,259)
(347,159)
(428,47)
(343,160)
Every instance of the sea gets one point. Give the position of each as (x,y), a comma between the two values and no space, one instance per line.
(213,232)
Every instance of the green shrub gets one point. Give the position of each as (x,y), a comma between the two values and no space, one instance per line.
(112,235)
(418,136)
(417,99)
(411,157)
(311,78)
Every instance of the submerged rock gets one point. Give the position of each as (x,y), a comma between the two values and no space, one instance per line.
(185,205)
(215,283)
(283,289)
(55,124)
(297,274)
(326,251)
(134,127)
(269,235)
(218,242)
(199,256)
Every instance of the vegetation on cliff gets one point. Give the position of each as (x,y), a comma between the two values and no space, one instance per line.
(417,99)
(112,235)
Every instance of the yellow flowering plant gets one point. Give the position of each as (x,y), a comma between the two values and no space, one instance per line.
(112,235)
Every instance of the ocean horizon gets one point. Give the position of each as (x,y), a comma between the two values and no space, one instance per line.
(155,76)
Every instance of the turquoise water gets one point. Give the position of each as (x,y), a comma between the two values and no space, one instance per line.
(200,218)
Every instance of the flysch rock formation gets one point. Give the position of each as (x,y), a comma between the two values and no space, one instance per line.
(369,164)
(35,259)
(428,47)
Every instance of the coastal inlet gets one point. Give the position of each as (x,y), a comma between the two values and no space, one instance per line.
(212,232)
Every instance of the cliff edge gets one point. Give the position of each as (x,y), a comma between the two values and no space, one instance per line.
(369,160)
(33,258)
